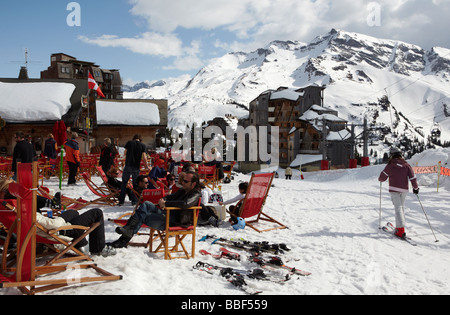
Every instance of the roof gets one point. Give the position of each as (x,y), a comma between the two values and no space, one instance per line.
(35,102)
(288,94)
(127,113)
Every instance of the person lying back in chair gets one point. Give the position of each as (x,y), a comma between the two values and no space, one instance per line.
(97,244)
(154,216)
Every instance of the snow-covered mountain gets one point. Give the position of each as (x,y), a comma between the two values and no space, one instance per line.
(362,75)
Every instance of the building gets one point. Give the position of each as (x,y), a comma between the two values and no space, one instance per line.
(35,105)
(66,67)
(305,126)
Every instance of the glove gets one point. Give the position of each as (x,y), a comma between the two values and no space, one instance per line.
(416,191)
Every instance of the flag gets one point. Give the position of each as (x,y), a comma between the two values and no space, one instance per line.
(92,85)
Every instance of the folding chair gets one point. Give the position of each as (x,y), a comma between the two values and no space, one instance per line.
(152,195)
(105,195)
(255,198)
(67,203)
(209,176)
(179,232)
(26,272)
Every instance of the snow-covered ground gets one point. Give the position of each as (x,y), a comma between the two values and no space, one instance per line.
(333,233)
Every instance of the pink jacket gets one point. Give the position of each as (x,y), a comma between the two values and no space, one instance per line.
(399,172)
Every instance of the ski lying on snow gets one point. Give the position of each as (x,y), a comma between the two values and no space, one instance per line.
(254,247)
(276,262)
(224,253)
(269,263)
(237,276)
(390,229)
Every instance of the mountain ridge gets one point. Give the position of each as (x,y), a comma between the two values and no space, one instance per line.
(357,70)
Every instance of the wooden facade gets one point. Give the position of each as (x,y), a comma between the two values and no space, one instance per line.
(63,66)
(81,117)
(283,108)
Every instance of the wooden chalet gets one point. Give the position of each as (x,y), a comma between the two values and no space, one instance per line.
(35,105)
(286,108)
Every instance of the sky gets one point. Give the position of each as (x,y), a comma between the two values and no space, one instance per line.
(157,39)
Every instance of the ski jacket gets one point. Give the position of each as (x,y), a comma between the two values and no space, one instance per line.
(399,172)
(72,152)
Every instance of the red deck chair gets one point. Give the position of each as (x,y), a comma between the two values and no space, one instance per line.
(26,272)
(105,195)
(152,195)
(255,198)
(209,176)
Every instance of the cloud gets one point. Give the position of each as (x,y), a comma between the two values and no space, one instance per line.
(251,24)
(150,43)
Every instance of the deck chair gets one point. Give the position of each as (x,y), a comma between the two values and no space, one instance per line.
(179,233)
(48,238)
(67,203)
(255,198)
(209,176)
(105,195)
(26,273)
(152,195)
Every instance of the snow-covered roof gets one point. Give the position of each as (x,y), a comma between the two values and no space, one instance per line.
(289,94)
(339,135)
(35,102)
(127,113)
(303,159)
(312,115)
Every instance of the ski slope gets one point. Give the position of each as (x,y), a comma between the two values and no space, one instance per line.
(333,233)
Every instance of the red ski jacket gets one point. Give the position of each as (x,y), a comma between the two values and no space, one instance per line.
(399,172)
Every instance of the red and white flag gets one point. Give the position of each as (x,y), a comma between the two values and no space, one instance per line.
(92,85)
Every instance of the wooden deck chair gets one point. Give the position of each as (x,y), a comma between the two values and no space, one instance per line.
(105,195)
(67,203)
(209,176)
(48,238)
(152,195)
(26,272)
(179,233)
(255,198)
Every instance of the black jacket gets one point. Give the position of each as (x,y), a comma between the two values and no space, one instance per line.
(183,200)
(23,152)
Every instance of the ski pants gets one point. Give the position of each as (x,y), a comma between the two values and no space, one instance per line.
(398,199)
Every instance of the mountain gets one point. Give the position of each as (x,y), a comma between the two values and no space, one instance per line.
(401,88)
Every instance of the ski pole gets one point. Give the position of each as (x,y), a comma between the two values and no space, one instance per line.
(427,218)
(379,223)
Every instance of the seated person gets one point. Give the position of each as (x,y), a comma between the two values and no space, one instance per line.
(207,214)
(42,202)
(114,182)
(235,209)
(71,217)
(154,216)
(97,244)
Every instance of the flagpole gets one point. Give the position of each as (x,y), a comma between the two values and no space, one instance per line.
(88,116)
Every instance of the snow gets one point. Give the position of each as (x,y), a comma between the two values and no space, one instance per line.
(42,101)
(333,232)
(127,113)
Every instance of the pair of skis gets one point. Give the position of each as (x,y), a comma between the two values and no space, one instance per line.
(237,276)
(269,263)
(390,229)
(254,247)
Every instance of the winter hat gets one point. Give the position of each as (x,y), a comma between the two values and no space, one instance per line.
(395,151)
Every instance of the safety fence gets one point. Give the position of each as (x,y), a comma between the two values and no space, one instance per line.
(436,169)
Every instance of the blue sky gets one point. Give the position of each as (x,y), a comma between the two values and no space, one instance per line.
(157,39)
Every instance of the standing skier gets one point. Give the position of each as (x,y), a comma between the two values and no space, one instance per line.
(399,172)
